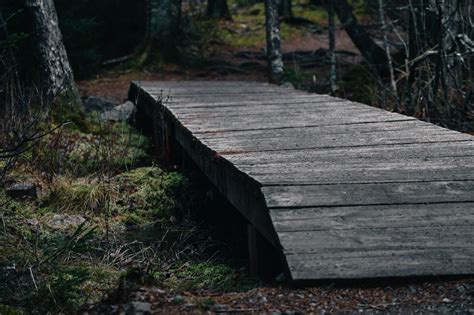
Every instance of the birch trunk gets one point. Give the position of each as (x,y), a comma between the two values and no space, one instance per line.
(275,63)
(393,84)
(332,46)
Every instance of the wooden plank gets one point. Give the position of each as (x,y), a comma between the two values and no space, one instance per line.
(363,242)
(358,170)
(269,111)
(388,153)
(361,176)
(241,124)
(426,262)
(257,108)
(371,217)
(311,114)
(368,194)
(408,125)
(211,98)
(237,103)
(318,130)
(304,142)
(185,83)
(231,92)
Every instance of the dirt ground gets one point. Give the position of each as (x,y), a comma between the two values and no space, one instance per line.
(443,296)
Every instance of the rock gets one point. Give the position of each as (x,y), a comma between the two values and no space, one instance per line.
(65,221)
(100,104)
(22,190)
(461,289)
(138,308)
(287,85)
(32,222)
(123,112)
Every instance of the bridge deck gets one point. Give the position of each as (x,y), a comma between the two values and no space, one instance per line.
(344,190)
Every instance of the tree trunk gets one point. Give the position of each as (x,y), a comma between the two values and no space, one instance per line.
(163,28)
(372,53)
(387,48)
(285,8)
(275,63)
(218,9)
(332,46)
(56,73)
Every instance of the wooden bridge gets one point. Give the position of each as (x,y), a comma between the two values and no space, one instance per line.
(342,190)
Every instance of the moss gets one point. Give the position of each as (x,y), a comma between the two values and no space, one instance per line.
(62,291)
(317,14)
(9,204)
(204,275)
(133,197)
(152,193)
(102,278)
(246,30)
(59,280)
(10,310)
(211,275)
(27,209)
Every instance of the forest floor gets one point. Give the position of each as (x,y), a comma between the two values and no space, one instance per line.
(112,232)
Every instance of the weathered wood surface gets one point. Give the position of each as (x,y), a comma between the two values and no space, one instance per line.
(342,189)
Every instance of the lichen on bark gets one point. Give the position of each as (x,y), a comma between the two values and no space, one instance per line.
(275,62)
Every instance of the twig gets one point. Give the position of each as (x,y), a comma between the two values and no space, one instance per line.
(117,60)
(33,278)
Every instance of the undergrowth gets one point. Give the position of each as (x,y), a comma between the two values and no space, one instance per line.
(103,210)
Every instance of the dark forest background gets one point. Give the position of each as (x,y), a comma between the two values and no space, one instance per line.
(93,32)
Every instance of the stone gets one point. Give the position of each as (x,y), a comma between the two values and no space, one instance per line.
(22,190)
(65,221)
(123,112)
(32,222)
(461,289)
(100,104)
(138,308)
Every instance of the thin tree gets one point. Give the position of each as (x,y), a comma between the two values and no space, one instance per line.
(381,13)
(275,63)
(56,73)
(372,52)
(332,46)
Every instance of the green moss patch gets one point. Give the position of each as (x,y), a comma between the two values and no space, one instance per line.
(213,276)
